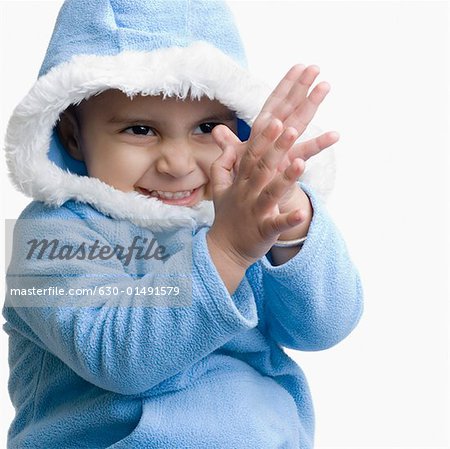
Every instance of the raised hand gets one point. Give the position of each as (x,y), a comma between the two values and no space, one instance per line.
(247,218)
(290,103)
(255,191)
(294,107)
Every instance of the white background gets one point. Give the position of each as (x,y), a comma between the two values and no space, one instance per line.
(386,385)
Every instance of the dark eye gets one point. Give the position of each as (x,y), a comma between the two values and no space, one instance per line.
(205,128)
(139,130)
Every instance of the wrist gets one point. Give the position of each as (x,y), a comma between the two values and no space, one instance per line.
(231,269)
(222,250)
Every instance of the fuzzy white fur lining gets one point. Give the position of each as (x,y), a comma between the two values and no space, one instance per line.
(197,70)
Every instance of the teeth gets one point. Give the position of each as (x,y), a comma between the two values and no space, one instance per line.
(171,195)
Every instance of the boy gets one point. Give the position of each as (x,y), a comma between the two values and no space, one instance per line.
(140,123)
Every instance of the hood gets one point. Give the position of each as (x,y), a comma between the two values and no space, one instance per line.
(177,48)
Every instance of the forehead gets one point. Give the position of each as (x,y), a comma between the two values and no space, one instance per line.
(112,102)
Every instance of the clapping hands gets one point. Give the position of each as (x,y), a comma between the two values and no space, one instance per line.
(255,190)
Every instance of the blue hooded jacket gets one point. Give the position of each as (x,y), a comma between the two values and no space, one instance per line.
(116,368)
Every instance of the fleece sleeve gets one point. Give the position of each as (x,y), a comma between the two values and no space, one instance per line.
(129,349)
(314,300)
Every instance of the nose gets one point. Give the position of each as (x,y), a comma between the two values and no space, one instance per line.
(176,159)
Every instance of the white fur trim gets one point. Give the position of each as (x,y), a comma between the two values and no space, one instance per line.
(197,70)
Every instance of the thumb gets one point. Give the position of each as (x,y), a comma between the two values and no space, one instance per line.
(222,171)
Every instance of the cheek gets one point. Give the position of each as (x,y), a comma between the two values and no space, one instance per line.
(117,165)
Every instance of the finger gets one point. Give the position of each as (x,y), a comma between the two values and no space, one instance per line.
(221,171)
(274,191)
(283,87)
(277,95)
(223,136)
(282,222)
(267,165)
(310,148)
(302,116)
(297,94)
(256,147)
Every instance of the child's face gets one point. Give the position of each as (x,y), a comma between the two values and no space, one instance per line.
(157,147)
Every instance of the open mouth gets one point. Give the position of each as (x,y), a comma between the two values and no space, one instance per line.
(180,198)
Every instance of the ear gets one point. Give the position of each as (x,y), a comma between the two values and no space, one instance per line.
(69,133)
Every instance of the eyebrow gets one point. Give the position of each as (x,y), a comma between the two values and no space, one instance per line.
(126,120)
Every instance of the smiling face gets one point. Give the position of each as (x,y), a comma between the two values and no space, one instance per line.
(161,148)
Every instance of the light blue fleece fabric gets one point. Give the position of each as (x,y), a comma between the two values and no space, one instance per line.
(107,27)
(209,375)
